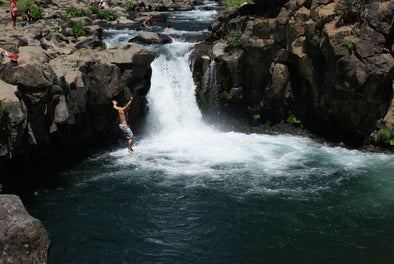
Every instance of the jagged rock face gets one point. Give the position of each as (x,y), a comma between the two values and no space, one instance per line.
(67,99)
(23,239)
(329,64)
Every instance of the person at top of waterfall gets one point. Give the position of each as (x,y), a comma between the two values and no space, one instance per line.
(102,4)
(147,22)
(122,121)
(28,18)
(14,11)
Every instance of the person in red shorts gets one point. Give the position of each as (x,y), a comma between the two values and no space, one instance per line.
(122,120)
(14,11)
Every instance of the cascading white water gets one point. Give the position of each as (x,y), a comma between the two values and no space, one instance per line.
(178,142)
(172,104)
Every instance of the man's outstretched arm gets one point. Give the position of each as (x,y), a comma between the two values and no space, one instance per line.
(115,105)
(128,103)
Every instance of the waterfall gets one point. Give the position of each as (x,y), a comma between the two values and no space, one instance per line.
(172,102)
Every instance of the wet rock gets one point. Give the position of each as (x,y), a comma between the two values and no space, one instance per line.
(151,38)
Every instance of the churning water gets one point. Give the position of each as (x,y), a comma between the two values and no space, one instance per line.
(193,194)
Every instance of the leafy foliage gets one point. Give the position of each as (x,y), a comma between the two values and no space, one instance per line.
(94,9)
(35,11)
(78,30)
(294,121)
(234,38)
(4,107)
(349,44)
(129,6)
(385,134)
(72,11)
(231,3)
(107,15)
(316,39)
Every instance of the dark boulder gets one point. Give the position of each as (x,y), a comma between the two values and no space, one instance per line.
(23,239)
(151,38)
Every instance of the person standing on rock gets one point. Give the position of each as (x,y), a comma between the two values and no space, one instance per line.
(14,11)
(122,122)
(27,15)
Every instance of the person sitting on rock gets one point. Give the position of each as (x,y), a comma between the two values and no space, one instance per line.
(122,122)
(147,22)
(14,11)
(102,4)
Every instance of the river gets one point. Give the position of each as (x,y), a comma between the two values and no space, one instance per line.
(194,194)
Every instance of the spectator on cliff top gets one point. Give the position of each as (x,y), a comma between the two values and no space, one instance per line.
(102,4)
(27,15)
(14,11)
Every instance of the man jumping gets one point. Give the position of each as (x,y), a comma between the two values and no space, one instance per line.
(122,120)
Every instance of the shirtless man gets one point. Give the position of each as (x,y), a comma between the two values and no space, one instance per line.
(147,22)
(122,120)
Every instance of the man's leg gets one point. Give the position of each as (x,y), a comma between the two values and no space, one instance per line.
(129,148)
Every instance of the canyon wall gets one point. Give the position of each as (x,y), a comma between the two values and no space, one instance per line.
(327,63)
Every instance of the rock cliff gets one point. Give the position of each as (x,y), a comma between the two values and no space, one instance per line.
(56,100)
(328,63)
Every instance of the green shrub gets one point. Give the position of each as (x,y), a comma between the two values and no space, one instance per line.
(107,15)
(35,11)
(300,39)
(316,39)
(129,6)
(4,107)
(231,3)
(78,30)
(94,9)
(103,45)
(384,134)
(72,11)
(294,121)
(355,30)
(349,44)
(339,12)
(234,38)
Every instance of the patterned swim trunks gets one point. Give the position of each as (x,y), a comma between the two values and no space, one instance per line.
(126,129)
